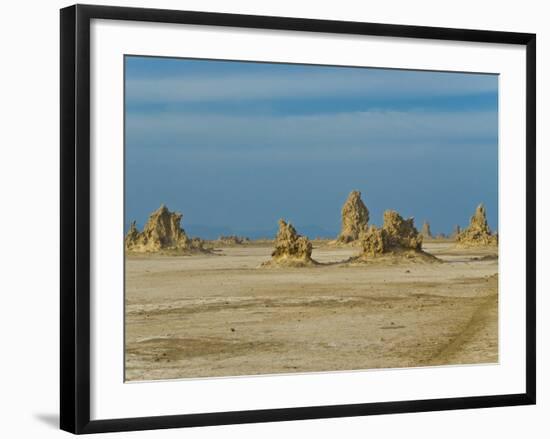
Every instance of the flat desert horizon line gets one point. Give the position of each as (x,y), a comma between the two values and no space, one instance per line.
(208,232)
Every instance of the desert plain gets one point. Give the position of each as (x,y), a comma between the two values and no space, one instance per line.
(223,314)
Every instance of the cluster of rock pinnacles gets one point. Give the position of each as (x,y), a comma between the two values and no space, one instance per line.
(478,233)
(397,236)
(162,231)
(290,248)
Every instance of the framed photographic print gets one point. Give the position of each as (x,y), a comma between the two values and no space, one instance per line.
(268,218)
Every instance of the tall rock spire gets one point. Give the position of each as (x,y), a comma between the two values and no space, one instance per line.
(355,218)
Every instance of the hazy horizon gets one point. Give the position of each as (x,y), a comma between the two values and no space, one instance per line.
(235,146)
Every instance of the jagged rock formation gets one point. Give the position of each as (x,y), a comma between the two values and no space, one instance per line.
(161,232)
(400,233)
(478,233)
(426,231)
(397,240)
(355,218)
(373,242)
(132,237)
(196,244)
(455,232)
(233,240)
(291,249)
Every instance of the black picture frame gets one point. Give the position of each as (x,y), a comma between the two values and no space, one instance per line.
(75,217)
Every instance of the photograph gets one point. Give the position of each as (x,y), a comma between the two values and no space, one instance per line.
(292,218)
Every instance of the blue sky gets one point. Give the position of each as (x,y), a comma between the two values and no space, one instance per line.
(235,146)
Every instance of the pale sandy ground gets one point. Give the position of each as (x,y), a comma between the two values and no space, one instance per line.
(221,315)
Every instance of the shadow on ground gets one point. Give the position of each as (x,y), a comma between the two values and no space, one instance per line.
(49,419)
